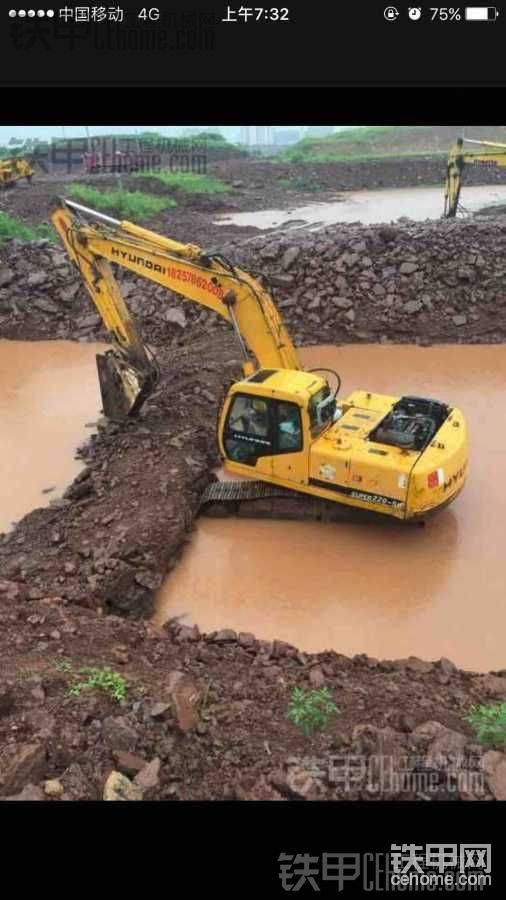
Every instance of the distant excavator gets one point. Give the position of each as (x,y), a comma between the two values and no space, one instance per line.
(309,454)
(12,170)
(458,159)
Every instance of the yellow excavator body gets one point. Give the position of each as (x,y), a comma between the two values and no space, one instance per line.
(11,170)
(352,462)
(281,427)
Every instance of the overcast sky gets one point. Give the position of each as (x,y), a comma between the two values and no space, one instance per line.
(49,131)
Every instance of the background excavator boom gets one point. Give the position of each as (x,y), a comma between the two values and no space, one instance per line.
(458,159)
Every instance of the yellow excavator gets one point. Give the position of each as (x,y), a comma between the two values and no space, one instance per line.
(12,170)
(298,449)
(458,159)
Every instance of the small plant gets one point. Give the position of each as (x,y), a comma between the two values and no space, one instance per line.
(105,680)
(489,723)
(311,710)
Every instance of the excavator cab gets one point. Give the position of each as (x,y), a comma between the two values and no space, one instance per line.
(269,421)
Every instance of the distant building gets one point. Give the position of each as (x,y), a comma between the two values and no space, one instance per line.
(264,135)
(244,135)
(256,135)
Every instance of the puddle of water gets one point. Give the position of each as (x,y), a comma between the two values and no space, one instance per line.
(377,589)
(368,207)
(48,392)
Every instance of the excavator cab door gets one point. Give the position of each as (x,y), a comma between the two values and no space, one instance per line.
(265,435)
(248,434)
(290,461)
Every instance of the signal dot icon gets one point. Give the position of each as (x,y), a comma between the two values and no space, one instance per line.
(31,13)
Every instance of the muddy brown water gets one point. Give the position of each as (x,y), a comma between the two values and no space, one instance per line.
(382,589)
(48,394)
(368,207)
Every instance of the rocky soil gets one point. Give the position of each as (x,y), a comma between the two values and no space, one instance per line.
(204,716)
(406,171)
(415,282)
(412,282)
(119,527)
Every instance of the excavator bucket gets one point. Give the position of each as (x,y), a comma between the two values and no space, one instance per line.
(122,388)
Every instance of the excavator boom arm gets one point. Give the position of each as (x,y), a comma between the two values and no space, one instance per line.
(206,279)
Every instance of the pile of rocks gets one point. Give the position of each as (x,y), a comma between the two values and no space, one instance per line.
(408,282)
(434,281)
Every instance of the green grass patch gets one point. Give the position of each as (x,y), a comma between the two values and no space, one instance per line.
(365,143)
(15,228)
(90,678)
(370,133)
(372,156)
(126,204)
(489,723)
(311,710)
(188,182)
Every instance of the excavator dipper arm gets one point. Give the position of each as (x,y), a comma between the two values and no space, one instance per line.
(458,159)
(128,372)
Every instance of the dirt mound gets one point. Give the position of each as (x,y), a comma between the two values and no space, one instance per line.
(120,525)
(391,139)
(272,179)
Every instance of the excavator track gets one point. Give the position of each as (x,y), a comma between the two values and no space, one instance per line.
(259,500)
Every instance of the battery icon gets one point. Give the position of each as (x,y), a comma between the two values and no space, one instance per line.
(481,13)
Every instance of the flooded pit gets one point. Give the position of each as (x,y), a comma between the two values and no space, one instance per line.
(386,590)
(368,207)
(48,393)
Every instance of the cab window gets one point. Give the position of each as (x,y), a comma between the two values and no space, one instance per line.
(288,428)
(248,432)
(316,425)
